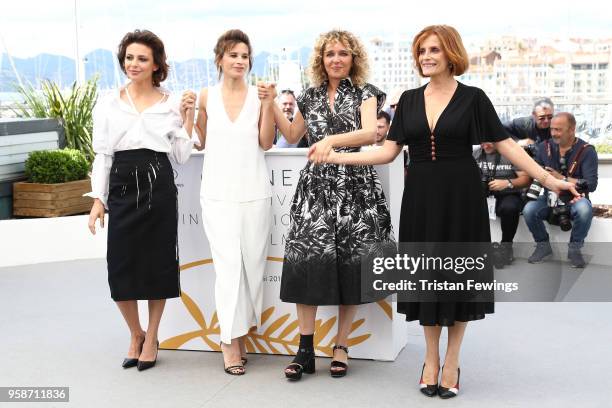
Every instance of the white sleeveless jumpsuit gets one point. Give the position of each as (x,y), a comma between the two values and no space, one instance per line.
(236,211)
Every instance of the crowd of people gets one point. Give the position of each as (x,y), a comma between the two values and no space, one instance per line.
(339,210)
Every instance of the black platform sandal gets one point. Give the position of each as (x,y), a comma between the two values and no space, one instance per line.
(304,362)
(338,368)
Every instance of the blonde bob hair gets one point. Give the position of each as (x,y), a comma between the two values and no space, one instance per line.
(360,68)
(451,44)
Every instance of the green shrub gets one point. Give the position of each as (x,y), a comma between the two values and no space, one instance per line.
(604,148)
(56,166)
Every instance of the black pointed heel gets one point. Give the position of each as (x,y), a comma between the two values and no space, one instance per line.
(429,390)
(446,393)
(304,362)
(145,365)
(340,367)
(133,362)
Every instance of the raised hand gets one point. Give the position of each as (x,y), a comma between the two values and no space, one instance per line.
(266,92)
(188,102)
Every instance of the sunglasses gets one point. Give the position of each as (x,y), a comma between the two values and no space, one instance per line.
(287,91)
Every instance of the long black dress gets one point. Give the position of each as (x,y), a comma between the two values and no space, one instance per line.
(443,199)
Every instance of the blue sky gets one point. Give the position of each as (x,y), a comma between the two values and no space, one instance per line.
(190,28)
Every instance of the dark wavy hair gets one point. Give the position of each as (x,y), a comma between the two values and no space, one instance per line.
(146,37)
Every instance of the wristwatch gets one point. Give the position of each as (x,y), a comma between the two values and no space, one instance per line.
(510,185)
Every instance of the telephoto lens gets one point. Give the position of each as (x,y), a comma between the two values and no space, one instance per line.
(561,216)
(484,180)
(534,191)
(531,149)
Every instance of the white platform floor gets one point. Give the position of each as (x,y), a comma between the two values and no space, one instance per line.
(59,327)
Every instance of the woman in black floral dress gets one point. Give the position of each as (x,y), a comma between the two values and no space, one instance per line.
(337,212)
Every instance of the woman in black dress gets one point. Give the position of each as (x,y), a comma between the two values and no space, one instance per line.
(443,199)
(337,212)
(137,129)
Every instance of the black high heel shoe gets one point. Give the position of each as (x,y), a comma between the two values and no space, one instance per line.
(429,390)
(340,367)
(304,362)
(446,393)
(145,365)
(132,362)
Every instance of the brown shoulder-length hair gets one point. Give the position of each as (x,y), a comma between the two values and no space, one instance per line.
(360,67)
(146,37)
(226,42)
(451,44)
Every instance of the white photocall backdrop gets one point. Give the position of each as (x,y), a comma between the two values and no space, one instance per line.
(190,322)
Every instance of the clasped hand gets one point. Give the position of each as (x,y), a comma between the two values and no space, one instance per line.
(188,102)
(322,152)
(266,92)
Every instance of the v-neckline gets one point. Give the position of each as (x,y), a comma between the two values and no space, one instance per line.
(133,105)
(332,107)
(432,131)
(246,97)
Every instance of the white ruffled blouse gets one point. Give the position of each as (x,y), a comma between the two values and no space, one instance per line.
(118,126)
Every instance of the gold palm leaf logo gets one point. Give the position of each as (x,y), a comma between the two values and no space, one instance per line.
(281,336)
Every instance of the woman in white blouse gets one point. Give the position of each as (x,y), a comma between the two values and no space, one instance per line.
(235,128)
(136,129)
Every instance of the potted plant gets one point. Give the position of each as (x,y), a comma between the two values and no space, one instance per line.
(57,180)
(73,109)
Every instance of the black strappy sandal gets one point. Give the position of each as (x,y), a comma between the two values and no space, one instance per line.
(237,369)
(304,362)
(338,368)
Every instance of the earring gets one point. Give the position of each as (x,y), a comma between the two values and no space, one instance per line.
(451,66)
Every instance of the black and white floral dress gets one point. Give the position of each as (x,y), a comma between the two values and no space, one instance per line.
(338,212)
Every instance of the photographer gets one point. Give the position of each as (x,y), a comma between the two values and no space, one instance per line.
(535,128)
(570,158)
(502,183)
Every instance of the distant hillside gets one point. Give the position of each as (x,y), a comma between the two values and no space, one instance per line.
(192,74)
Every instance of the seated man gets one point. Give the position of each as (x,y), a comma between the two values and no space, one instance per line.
(503,183)
(535,128)
(570,158)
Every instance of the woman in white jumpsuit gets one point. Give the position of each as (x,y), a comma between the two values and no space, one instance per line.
(235,128)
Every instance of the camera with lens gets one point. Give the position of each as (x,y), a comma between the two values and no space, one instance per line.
(534,190)
(485,179)
(559,204)
(531,149)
